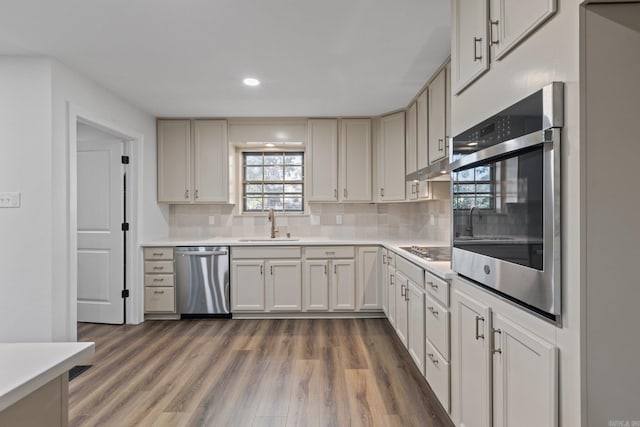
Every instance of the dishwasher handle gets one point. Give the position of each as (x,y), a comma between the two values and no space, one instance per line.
(201,253)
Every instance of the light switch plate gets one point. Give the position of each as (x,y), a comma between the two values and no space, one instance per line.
(212,219)
(10,200)
(339,219)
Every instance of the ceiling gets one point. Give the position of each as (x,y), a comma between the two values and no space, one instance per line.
(188,57)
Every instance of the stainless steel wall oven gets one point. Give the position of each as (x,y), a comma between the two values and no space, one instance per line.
(506,202)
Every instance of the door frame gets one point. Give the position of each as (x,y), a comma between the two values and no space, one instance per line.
(133,147)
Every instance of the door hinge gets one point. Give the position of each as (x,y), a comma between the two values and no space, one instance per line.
(125,226)
(125,293)
(125,160)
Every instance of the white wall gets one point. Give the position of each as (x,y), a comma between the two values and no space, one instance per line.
(551,54)
(37,278)
(25,233)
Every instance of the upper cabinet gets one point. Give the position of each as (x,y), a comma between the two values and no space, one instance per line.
(469,41)
(476,29)
(193,161)
(322,158)
(355,160)
(411,138)
(422,130)
(391,158)
(437,117)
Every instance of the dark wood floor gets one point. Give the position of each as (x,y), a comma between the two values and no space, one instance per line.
(250,373)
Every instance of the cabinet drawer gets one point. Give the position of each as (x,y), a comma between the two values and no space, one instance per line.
(437,287)
(437,374)
(264,252)
(159,299)
(329,252)
(158,253)
(159,280)
(165,267)
(412,271)
(437,326)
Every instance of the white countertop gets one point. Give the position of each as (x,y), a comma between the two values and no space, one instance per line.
(439,268)
(25,367)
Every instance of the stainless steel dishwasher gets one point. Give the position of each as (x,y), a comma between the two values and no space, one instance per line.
(202,281)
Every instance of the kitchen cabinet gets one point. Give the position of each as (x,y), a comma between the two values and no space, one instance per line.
(411,138)
(389,269)
(469,41)
(512,21)
(368,278)
(322,158)
(494,358)
(437,117)
(415,296)
(401,315)
(159,281)
(329,278)
(355,160)
(266,279)
(193,161)
(391,158)
(478,25)
(422,130)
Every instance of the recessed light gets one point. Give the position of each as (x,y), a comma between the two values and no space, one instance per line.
(250,81)
(269,144)
(472,144)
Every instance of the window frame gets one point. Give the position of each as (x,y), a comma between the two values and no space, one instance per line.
(243,182)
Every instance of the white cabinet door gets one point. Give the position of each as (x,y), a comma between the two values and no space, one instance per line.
(391,176)
(174,161)
(437,117)
(416,324)
(284,285)
(402,318)
(322,149)
(355,160)
(211,161)
(343,285)
(411,139)
(472,339)
(384,280)
(525,372)
(316,285)
(469,42)
(247,278)
(369,283)
(391,295)
(513,20)
(422,130)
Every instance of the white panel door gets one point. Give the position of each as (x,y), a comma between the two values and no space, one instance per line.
(100,236)
(437,117)
(316,285)
(402,318)
(211,161)
(355,160)
(285,285)
(416,324)
(469,41)
(174,161)
(369,279)
(391,175)
(391,295)
(422,130)
(322,149)
(247,291)
(343,284)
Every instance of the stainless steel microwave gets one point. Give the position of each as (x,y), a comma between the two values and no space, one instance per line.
(505,185)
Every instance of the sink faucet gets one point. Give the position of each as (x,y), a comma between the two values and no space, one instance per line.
(272,219)
(470,222)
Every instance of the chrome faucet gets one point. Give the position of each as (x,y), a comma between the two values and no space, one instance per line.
(272,219)
(470,222)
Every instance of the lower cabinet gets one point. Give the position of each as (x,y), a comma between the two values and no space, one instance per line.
(283,285)
(506,374)
(368,278)
(159,281)
(415,296)
(343,286)
(401,312)
(248,289)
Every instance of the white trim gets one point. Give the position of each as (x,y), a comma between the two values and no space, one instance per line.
(134,142)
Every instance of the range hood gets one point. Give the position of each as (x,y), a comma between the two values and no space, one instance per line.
(438,171)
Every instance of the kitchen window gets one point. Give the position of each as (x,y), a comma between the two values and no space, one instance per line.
(273,180)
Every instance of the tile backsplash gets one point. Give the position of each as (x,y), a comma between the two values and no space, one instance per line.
(415,221)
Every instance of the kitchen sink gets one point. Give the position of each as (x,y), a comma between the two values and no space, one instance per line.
(275,239)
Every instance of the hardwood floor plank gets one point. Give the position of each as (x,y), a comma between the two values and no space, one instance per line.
(221,372)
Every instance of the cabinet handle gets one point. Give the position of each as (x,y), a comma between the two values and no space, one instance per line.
(382,192)
(157,254)
(406,294)
(413,189)
(158,280)
(440,144)
(344,193)
(335,193)
(402,290)
(433,285)
(158,268)
(392,280)
(493,40)
(325,269)
(496,350)
(417,188)
(261,270)
(384,258)
(158,292)
(335,269)
(197,194)
(433,358)
(186,194)
(271,270)
(433,311)
(478,320)
(476,40)
(330,252)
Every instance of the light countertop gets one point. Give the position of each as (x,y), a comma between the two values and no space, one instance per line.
(439,268)
(25,367)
